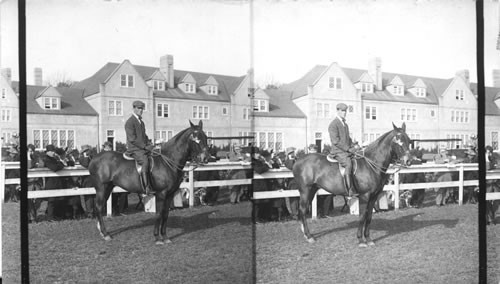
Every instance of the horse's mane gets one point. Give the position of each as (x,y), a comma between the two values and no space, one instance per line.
(174,140)
(372,146)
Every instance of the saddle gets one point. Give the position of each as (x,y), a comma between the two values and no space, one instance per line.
(341,168)
(137,166)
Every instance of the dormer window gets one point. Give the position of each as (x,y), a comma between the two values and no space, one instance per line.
(189,88)
(127,80)
(212,90)
(397,90)
(50,103)
(3,93)
(420,92)
(459,95)
(260,105)
(158,85)
(366,87)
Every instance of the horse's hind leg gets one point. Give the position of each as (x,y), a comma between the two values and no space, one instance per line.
(306,195)
(102,194)
(367,221)
(161,223)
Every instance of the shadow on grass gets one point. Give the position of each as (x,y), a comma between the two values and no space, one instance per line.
(403,224)
(188,224)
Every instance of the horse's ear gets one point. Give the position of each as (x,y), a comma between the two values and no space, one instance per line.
(403,127)
(190,123)
(394,126)
(200,124)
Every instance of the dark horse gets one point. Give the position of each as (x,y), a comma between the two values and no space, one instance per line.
(109,169)
(314,171)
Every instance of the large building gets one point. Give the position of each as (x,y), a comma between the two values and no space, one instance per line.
(297,114)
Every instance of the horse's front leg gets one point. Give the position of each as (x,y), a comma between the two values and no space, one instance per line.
(368,220)
(161,223)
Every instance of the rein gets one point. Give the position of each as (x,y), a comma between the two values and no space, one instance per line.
(169,162)
(375,166)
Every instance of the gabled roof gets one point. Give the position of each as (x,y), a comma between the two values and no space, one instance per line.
(72,102)
(280,105)
(48,91)
(419,84)
(396,81)
(435,86)
(491,93)
(227,84)
(211,81)
(188,79)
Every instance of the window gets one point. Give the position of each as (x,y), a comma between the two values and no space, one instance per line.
(4,94)
(370,113)
(164,135)
(366,88)
(200,112)
(225,111)
(158,85)
(5,115)
(494,140)
(127,81)
(408,114)
(335,83)
(319,109)
(260,105)
(413,137)
(50,103)
(420,92)
(115,108)
(433,113)
(459,116)
(350,108)
(57,137)
(397,90)
(110,133)
(459,95)
(246,114)
(245,141)
(212,90)
(162,110)
(189,88)
(270,140)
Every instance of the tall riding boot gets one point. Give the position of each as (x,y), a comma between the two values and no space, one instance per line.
(350,185)
(146,182)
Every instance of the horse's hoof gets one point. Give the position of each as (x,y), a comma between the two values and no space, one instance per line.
(370,243)
(168,241)
(107,238)
(362,245)
(311,240)
(160,243)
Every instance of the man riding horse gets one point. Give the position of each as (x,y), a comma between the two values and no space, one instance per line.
(138,144)
(342,146)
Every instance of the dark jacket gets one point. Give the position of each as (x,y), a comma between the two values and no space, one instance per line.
(339,136)
(136,135)
(55,165)
(259,166)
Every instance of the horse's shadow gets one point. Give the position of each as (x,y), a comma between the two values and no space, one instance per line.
(392,229)
(188,224)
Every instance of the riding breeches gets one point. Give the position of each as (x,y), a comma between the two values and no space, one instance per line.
(345,160)
(141,158)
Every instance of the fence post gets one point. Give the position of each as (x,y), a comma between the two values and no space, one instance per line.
(314,206)
(396,191)
(461,185)
(191,187)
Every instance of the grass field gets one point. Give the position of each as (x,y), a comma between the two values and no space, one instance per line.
(213,244)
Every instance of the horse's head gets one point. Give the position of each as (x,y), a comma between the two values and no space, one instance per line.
(400,144)
(198,143)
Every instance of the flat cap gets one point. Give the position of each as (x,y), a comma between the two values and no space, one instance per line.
(138,104)
(50,148)
(341,106)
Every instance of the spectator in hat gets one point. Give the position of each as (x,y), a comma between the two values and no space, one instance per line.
(342,147)
(158,143)
(54,163)
(13,154)
(313,148)
(138,144)
(107,146)
(443,193)
(87,201)
(236,154)
(491,161)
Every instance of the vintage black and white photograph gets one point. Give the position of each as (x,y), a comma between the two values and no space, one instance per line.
(265,141)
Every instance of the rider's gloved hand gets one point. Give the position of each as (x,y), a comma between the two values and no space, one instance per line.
(149,147)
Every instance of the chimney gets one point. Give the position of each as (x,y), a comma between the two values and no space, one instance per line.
(167,68)
(496,78)
(375,71)
(38,76)
(6,73)
(465,76)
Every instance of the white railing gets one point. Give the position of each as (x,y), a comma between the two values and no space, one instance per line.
(81,171)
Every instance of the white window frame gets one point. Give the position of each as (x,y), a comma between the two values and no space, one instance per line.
(56,141)
(420,92)
(371,111)
(408,114)
(6,115)
(127,81)
(51,103)
(494,140)
(366,87)
(246,113)
(164,135)
(260,105)
(212,90)
(459,94)
(4,93)
(270,140)
(432,113)
(115,108)
(165,109)
(189,88)
(225,111)
(158,85)
(335,83)
(200,112)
